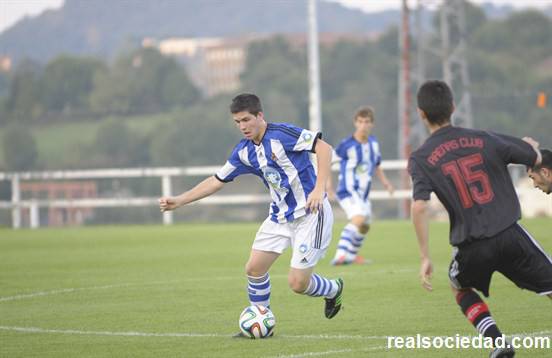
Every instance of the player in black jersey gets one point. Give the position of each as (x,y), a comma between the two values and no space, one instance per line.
(467,170)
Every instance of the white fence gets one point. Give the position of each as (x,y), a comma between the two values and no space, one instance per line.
(16,205)
(534,202)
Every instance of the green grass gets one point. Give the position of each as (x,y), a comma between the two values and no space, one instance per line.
(88,288)
(58,140)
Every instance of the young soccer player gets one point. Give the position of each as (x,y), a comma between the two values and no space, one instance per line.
(467,170)
(360,158)
(542,174)
(300,214)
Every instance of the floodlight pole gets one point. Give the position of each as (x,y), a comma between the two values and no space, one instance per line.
(315,121)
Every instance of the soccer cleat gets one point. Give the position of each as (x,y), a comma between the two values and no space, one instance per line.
(359,260)
(333,305)
(507,352)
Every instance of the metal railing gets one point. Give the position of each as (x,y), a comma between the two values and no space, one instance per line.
(16,205)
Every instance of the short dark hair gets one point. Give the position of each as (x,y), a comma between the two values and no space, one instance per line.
(365,112)
(246,102)
(436,100)
(546,160)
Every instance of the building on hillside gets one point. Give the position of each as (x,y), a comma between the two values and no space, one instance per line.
(213,64)
(216,64)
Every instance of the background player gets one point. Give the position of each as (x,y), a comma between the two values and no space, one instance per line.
(300,214)
(542,174)
(360,158)
(467,170)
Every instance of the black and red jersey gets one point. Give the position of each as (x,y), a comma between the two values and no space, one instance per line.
(467,170)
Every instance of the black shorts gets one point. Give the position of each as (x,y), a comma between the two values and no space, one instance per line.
(512,252)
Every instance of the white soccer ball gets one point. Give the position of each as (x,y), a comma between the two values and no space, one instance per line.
(257,322)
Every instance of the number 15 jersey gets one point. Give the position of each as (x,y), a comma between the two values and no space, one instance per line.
(467,170)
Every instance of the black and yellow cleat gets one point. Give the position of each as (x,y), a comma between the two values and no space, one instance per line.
(333,305)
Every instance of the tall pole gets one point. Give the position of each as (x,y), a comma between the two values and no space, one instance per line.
(315,121)
(455,65)
(404,101)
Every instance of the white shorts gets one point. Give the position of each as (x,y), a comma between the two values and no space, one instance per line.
(355,206)
(309,236)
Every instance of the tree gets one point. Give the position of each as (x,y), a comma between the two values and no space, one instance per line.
(22,103)
(19,147)
(116,145)
(200,135)
(67,83)
(523,34)
(273,67)
(143,81)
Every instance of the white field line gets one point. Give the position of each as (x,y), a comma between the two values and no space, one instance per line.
(108,333)
(191,279)
(56,292)
(317,354)
(202,335)
(176,334)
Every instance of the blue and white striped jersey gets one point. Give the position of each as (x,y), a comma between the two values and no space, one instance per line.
(282,161)
(357,166)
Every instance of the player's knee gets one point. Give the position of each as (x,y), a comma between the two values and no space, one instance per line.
(364,228)
(251,270)
(357,221)
(298,284)
(459,293)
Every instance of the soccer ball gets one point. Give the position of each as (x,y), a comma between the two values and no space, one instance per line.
(257,322)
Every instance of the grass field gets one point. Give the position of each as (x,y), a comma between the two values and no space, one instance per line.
(152,291)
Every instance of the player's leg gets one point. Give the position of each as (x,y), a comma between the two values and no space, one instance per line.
(362,222)
(310,242)
(352,236)
(472,267)
(271,240)
(525,262)
(476,311)
(306,282)
(258,279)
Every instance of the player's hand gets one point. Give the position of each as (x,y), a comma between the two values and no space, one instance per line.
(167,204)
(532,142)
(331,194)
(426,271)
(315,200)
(389,187)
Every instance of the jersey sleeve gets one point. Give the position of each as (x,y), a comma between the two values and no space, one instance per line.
(421,186)
(377,153)
(341,151)
(514,150)
(335,158)
(296,139)
(233,168)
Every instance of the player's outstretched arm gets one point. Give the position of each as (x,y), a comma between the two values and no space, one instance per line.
(420,220)
(324,159)
(533,143)
(330,189)
(386,183)
(207,187)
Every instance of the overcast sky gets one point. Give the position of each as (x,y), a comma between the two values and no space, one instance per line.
(13,10)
